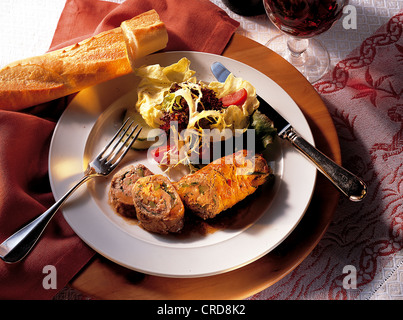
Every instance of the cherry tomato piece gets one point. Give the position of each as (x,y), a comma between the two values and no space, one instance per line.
(158,153)
(236,98)
(165,155)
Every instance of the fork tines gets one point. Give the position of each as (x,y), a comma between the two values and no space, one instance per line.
(122,140)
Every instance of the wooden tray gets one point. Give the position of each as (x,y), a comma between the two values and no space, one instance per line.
(103,279)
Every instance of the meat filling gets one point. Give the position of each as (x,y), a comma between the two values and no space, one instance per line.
(120,192)
(158,206)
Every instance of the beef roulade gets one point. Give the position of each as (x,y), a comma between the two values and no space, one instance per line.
(120,192)
(158,206)
(223,183)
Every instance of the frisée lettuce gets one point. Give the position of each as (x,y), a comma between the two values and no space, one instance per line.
(155,97)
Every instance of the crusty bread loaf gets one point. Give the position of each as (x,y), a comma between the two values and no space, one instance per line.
(144,35)
(100,58)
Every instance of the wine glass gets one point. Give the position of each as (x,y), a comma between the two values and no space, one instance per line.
(300,21)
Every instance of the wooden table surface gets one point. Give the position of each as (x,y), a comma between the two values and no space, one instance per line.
(103,279)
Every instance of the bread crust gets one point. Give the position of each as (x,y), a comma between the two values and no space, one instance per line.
(144,34)
(68,70)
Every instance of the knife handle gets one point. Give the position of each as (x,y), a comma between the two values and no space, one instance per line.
(349,184)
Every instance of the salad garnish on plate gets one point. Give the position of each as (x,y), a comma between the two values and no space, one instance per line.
(192,113)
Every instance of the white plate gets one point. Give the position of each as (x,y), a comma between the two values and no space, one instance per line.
(89,121)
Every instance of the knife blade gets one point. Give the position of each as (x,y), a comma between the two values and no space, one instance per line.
(349,184)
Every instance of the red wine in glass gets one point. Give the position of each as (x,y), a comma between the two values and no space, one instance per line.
(303,19)
(245,7)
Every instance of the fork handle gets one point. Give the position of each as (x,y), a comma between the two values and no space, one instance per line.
(18,245)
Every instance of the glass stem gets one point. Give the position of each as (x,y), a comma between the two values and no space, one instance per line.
(297,47)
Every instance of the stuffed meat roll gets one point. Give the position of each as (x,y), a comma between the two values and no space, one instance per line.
(223,183)
(158,205)
(120,192)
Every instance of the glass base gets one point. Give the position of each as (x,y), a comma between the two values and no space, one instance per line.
(312,63)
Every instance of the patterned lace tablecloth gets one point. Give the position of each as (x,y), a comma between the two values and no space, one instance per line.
(380,265)
(32,35)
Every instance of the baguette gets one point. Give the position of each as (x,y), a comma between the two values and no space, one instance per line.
(144,35)
(103,57)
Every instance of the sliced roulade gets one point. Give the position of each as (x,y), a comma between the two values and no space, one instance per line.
(158,205)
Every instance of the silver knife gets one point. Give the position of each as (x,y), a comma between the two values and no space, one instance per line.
(349,184)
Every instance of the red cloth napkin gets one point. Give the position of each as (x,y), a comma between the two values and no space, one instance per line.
(195,25)
(25,136)
(364,96)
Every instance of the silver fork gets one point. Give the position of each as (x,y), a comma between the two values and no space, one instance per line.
(18,245)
